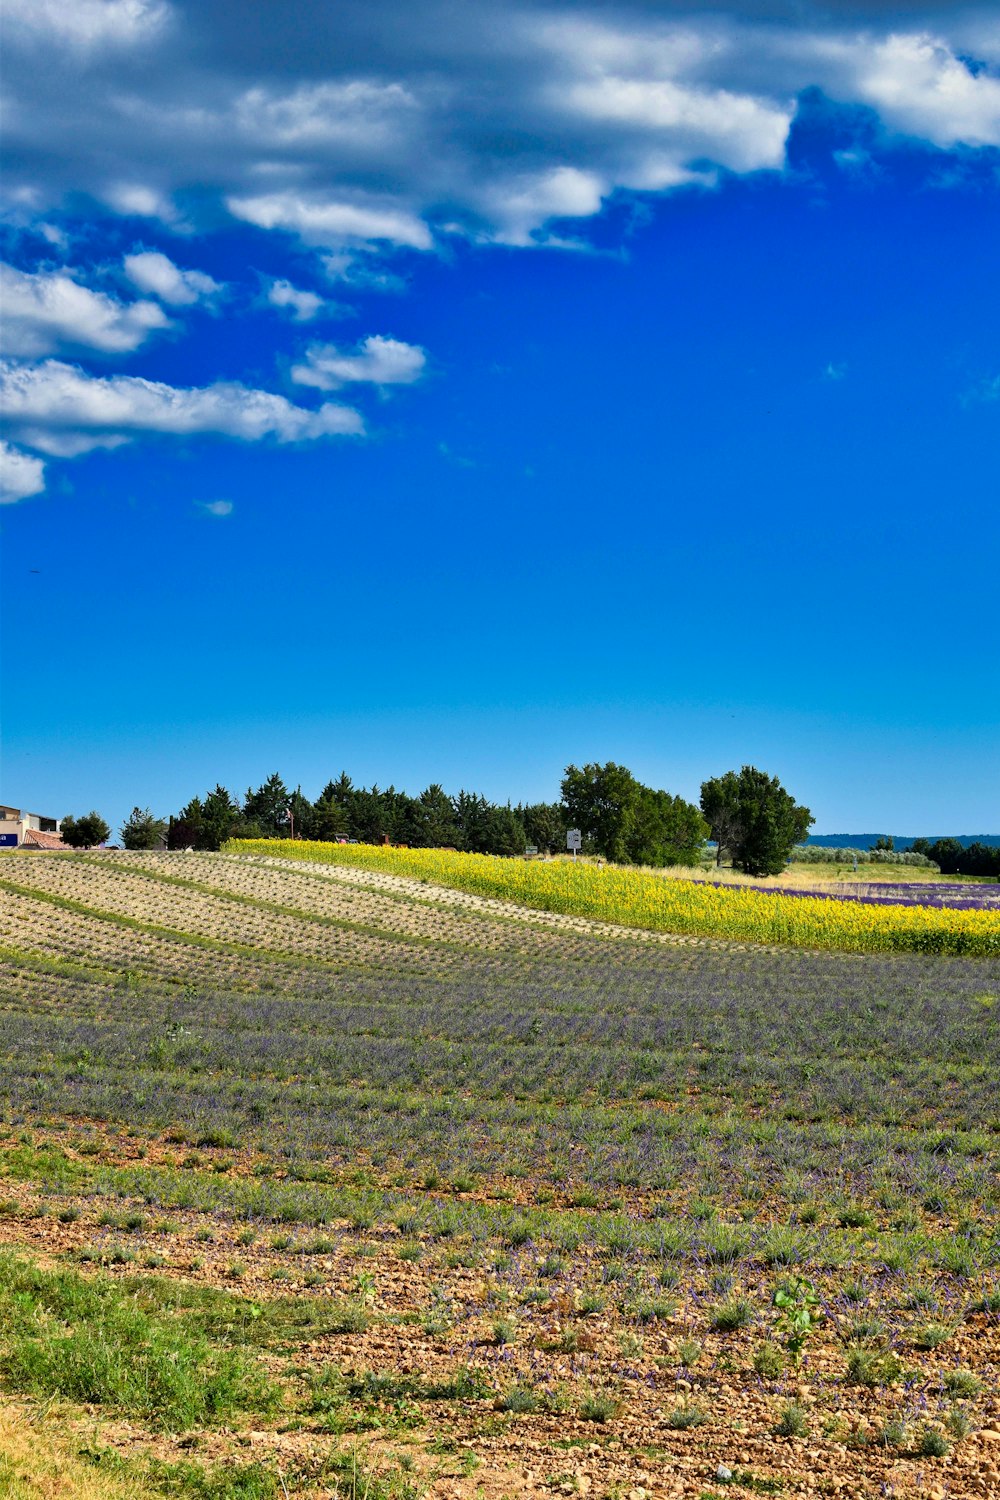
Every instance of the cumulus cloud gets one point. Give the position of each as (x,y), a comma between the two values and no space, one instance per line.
(302,305)
(921,88)
(45,311)
(59,409)
(21,475)
(152,271)
(385,127)
(220,509)
(377,361)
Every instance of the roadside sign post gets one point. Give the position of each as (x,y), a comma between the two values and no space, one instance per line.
(574,840)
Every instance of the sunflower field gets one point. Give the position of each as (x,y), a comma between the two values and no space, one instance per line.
(641,899)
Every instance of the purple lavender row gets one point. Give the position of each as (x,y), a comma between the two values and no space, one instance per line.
(915,893)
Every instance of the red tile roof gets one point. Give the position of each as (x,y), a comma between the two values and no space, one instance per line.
(35,839)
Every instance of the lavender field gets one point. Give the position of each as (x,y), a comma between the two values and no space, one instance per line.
(499,1202)
(954,896)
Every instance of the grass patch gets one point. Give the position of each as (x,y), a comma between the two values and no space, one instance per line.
(88,1339)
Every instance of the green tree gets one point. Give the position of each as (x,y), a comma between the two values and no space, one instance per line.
(544,824)
(84,832)
(268,808)
(602,801)
(665,830)
(630,823)
(143,831)
(750,814)
(504,832)
(434,821)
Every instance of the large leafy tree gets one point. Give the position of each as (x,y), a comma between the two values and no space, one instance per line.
(630,823)
(143,831)
(665,830)
(601,800)
(84,832)
(751,815)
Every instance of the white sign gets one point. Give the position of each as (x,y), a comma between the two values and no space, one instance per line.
(574,839)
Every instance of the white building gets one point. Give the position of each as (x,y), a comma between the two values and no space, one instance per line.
(26,830)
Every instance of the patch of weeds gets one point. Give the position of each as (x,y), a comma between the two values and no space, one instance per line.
(686,1415)
(872,1367)
(892,1434)
(738,1312)
(961,1384)
(931,1336)
(958,1423)
(598,1406)
(793,1421)
(88,1340)
(519,1398)
(768,1361)
(933,1444)
(853,1216)
(653,1309)
(864,1331)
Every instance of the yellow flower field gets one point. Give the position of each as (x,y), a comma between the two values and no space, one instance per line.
(638,898)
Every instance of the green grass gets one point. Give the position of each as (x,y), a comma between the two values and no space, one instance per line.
(89,1339)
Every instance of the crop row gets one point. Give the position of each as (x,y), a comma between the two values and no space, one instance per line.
(636,898)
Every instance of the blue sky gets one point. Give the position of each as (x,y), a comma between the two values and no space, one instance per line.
(484,389)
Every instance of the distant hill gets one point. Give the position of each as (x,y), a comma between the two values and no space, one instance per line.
(900,840)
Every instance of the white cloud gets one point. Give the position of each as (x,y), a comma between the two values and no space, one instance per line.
(21,475)
(358,113)
(378,361)
(136,200)
(518,207)
(44,311)
(59,409)
(379,128)
(302,305)
(86,25)
(217,508)
(329,222)
(153,272)
(921,88)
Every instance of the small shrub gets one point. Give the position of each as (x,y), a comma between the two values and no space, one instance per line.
(872,1367)
(931,1336)
(793,1421)
(598,1407)
(520,1399)
(933,1444)
(685,1416)
(962,1384)
(958,1423)
(736,1313)
(768,1361)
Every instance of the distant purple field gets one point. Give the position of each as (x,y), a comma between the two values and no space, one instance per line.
(914,893)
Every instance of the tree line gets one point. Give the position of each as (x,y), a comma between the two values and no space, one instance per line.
(953,858)
(753,819)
